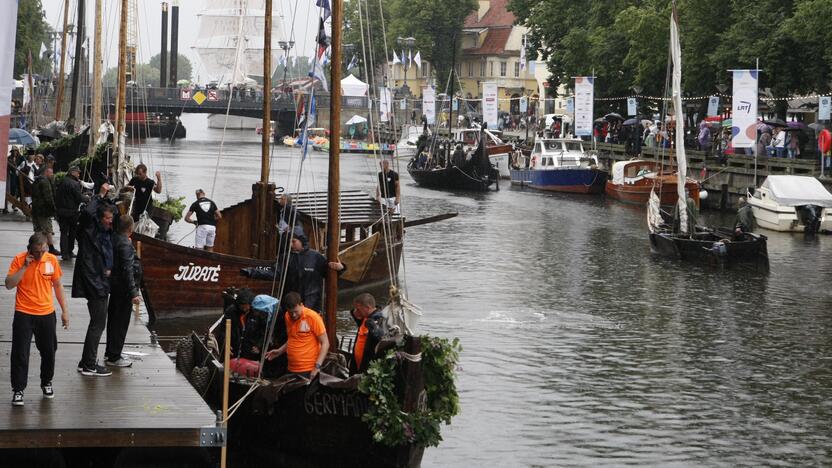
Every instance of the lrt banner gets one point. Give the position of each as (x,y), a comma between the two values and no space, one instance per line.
(8,29)
(429,104)
(584,101)
(490,104)
(744,109)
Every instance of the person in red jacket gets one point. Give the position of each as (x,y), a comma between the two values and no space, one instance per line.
(824,147)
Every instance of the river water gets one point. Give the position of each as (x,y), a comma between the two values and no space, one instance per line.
(580,348)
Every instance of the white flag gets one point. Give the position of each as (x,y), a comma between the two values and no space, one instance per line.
(523,54)
(396,58)
(318,74)
(418,59)
(43,49)
(410,58)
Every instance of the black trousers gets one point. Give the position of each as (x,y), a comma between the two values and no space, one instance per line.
(119,312)
(46,340)
(67,225)
(98,321)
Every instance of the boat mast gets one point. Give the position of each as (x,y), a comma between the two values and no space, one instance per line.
(121,102)
(333,227)
(263,191)
(79,61)
(59,100)
(96,80)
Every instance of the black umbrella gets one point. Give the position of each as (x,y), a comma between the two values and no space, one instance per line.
(600,120)
(613,116)
(816,126)
(629,122)
(775,123)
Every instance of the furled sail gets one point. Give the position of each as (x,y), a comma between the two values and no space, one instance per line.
(676,99)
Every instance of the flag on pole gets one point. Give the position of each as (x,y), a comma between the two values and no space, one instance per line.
(43,49)
(523,54)
(410,58)
(353,62)
(396,58)
(323,39)
(325,5)
(318,74)
(418,59)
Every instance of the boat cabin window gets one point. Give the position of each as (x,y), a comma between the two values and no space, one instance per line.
(538,148)
(548,162)
(573,146)
(552,145)
(638,170)
(469,138)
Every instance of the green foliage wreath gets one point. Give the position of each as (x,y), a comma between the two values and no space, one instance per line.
(389,424)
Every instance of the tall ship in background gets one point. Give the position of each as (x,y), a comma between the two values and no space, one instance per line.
(230,48)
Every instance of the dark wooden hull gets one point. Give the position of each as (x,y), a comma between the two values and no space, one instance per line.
(177,278)
(311,426)
(452,178)
(717,247)
(639,192)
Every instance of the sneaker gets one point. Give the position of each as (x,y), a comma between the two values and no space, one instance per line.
(47,390)
(120,362)
(17,399)
(97,371)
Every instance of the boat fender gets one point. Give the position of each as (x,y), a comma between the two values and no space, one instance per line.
(703,194)
(185,355)
(719,249)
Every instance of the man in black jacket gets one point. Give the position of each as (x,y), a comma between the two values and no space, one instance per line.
(124,293)
(91,279)
(307,272)
(248,327)
(68,198)
(371,329)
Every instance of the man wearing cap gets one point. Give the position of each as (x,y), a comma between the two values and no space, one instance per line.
(207,216)
(68,198)
(307,271)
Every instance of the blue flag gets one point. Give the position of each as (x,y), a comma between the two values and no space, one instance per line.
(325,5)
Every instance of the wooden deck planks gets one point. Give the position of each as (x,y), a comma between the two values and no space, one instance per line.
(149,404)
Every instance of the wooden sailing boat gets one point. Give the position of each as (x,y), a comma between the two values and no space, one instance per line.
(716,245)
(291,422)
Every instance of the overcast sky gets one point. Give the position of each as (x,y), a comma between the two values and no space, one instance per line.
(150,27)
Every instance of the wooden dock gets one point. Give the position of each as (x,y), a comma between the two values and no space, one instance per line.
(147,405)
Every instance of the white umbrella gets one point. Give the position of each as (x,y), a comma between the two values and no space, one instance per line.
(356,119)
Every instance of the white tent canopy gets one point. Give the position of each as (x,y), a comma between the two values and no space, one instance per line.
(788,190)
(352,86)
(356,119)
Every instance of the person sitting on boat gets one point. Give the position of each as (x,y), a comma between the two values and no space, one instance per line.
(207,215)
(745,220)
(247,327)
(693,215)
(371,329)
(307,270)
(306,344)
(388,190)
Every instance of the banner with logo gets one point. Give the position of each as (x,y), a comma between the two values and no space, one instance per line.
(824,107)
(403,104)
(385,104)
(524,105)
(489,104)
(584,101)
(744,109)
(632,107)
(429,104)
(8,28)
(713,106)
(570,105)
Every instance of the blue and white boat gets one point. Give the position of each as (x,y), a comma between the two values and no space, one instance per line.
(560,165)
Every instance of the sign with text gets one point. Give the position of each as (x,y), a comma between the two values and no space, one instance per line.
(490,105)
(824,107)
(744,109)
(584,101)
(632,107)
(524,105)
(713,106)
(429,104)
(570,105)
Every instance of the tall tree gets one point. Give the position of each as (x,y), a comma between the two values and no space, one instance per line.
(373,21)
(32,31)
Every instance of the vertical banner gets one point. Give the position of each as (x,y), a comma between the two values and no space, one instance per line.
(824,107)
(713,106)
(8,29)
(744,109)
(385,104)
(570,105)
(489,104)
(403,104)
(584,100)
(523,54)
(429,104)
(524,105)
(632,107)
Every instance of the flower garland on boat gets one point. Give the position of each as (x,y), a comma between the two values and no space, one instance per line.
(388,423)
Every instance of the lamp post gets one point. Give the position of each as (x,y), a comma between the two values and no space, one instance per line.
(406,43)
(285,46)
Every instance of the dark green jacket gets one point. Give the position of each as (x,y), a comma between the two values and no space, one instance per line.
(43,197)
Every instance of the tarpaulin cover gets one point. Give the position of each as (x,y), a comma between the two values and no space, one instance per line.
(788,190)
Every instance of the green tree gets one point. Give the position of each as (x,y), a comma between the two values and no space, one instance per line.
(184,69)
(373,25)
(32,31)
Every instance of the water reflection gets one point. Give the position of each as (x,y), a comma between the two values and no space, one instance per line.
(580,348)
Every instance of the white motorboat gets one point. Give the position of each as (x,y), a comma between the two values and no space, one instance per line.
(407,146)
(499,152)
(789,203)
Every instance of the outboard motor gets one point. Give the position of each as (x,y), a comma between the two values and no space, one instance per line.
(809,217)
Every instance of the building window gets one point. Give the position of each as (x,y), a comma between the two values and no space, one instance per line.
(490,68)
(424,70)
(503,66)
(458,69)
(471,68)
(482,68)
(516,69)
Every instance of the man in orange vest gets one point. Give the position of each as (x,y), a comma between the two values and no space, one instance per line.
(35,273)
(307,344)
(371,330)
